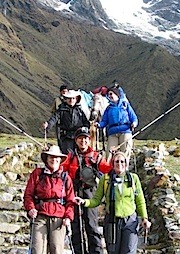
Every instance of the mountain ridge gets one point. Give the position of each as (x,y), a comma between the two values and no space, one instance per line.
(152,21)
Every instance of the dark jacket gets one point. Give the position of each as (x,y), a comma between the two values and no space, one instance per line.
(70,118)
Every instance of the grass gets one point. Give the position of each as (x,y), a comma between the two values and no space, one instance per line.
(9,140)
(171,163)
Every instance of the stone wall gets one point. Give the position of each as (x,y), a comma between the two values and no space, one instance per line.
(160,187)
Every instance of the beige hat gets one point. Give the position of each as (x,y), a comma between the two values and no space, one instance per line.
(72,94)
(55,151)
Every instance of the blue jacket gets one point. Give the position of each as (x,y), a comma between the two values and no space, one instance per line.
(119,117)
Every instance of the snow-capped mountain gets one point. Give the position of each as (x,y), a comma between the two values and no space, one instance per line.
(156,21)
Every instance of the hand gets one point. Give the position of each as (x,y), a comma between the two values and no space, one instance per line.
(78,200)
(146,224)
(68,230)
(66,222)
(33,213)
(45,125)
(132,127)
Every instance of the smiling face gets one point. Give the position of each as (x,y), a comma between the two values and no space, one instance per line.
(53,162)
(83,142)
(71,101)
(112,96)
(119,163)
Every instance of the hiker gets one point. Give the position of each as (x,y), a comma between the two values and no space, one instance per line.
(120,119)
(123,197)
(70,117)
(85,165)
(63,89)
(48,200)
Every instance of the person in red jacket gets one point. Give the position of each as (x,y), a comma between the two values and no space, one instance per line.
(48,199)
(85,165)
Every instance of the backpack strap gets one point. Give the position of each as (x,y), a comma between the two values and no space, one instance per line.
(63,176)
(106,182)
(130,180)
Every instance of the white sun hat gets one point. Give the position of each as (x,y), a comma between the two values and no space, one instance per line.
(55,151)
(72,94)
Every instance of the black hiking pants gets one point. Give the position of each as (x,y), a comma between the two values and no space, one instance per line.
(91,241)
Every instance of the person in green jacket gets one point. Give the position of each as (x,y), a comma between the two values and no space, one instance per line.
(124,202)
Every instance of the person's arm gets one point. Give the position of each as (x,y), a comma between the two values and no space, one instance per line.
(132,116)
(104,121)
(69,206)
(52,120)
(29,195)
(85,121)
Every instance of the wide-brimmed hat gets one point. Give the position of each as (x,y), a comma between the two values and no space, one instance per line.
(55,151)
(72,94)
(83,131)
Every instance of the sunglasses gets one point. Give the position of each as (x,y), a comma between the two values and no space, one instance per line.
(119,161)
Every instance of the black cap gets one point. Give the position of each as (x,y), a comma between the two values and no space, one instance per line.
(83,131)
(62,87)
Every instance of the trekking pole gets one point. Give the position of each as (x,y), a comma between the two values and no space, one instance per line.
(69,233)
(103,140)
(31,237)
(81,228)
(149,124)
(45,137)
(21,131)
(97,139)
(145,235)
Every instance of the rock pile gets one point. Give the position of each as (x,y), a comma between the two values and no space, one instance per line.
(161,190)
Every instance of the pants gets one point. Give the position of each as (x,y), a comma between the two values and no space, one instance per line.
(89,219)
(117,139)
(48,235)
(126,237)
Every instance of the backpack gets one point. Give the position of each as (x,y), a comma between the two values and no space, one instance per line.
(88,174)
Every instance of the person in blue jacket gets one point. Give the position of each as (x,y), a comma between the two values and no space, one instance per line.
(120,120)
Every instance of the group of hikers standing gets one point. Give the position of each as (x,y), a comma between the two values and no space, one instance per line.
(75,179)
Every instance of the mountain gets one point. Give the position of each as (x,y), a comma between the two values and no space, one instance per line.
(151,20)
(41,48)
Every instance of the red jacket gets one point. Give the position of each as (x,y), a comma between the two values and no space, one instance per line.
(42,186)
(71,164)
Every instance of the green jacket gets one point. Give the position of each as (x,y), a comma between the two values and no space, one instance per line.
(131,200)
